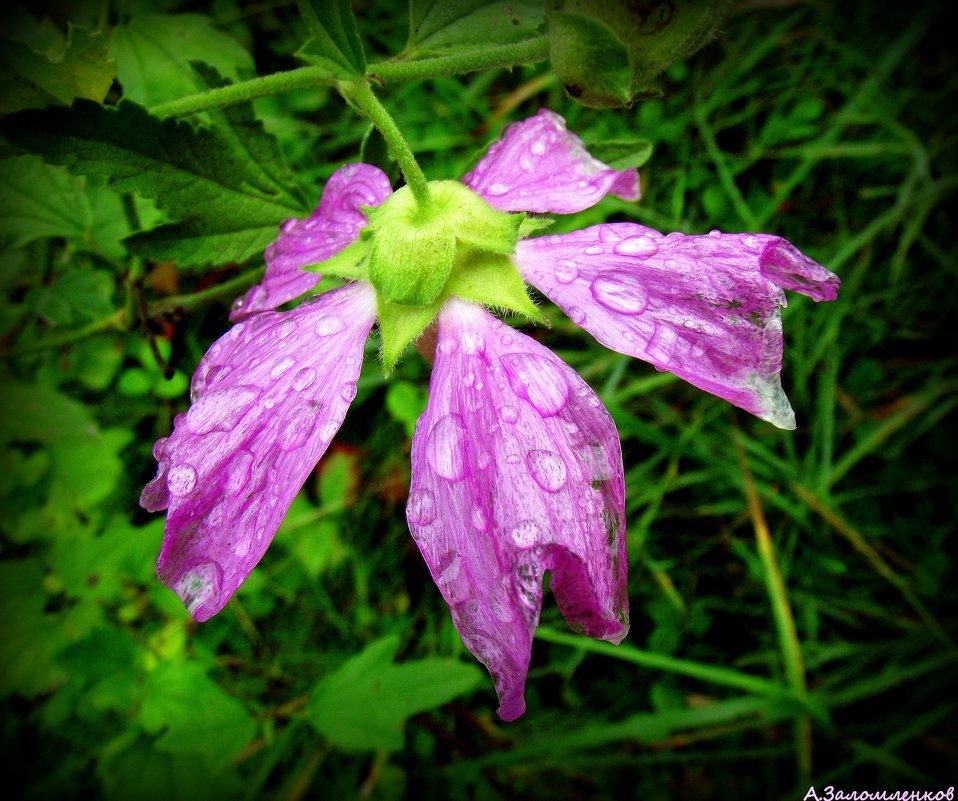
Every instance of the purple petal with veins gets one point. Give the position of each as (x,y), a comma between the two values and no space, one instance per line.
(333,226)
(516,470)
(267,399)
(539,166)
(703,307)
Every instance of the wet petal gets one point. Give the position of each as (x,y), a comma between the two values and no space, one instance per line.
(516,470)
(537,165)
(703,307)
(334,225)
(267,399)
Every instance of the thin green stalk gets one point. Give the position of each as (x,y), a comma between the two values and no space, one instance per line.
(265,86)
(361,96)
(781,612)
(402,68)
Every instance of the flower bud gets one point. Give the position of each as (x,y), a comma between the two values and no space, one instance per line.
(609,52)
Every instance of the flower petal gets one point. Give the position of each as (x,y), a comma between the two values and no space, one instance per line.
(334,225)
(540,166)
(703,307)
(267,399)
(516,469)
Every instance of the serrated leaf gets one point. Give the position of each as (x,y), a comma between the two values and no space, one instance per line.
(622,154)
(192,174)
(194,715)
(399,325)
(31,80)
(153,54)
(264,164)
(214,242)
(334,42)
(447,26)
(364,705)
(40,200)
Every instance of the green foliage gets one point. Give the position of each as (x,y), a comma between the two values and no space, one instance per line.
(153,54)
(366,702)
(336,671)
(31,80)
(334,43)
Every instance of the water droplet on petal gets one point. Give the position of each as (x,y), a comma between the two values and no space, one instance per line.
(421,508)
(513,458)
(620,292)
(479,519)
(497,189)
(285,328)
(445,448)
(538,380)
(298,428)
(526,534)
(199,586)
(181,479)
(642,246)
(538,148)
(327,325)
(593,250)
(547,469)
(304,379)
(448,345)
(159,447)
(268,403)
(473,342)
(348,391)
(566,271)
(220,409)
(238,472)
(281,367)
(509,414)
(483,460)
(576,315)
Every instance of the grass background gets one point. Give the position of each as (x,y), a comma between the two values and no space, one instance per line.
(792,593)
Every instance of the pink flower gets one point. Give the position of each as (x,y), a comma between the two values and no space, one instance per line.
(516,464)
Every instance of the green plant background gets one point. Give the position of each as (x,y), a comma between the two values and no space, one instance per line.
(336,672)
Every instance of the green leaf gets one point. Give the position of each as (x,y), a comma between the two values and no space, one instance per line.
(364,705)
(590,60)
(335,42)
(193,715)
(399,325)
(153,54)
(264,164)
(192,174)
(622,154)
(405,402)
(31,80)
(447,26)
(493,280)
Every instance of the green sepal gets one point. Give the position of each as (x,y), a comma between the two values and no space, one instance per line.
(532,225)
(492,280)
(351,262)
(412,254)
(399,325)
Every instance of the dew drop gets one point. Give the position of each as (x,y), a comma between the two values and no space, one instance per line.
(480,521)
(566,271)
(238,472)
(642,246)
(473,343)
(448,345)
(181,479)
(547,469)
(159,447)
(281,367)
(421,508)
(285,328)
(513,458)
(509,414)
(526,534)
(328,325)
(593,250)
(220,409)
(304,379)
(268,403)
(497,189)
(445,448)
(298,428)
(620,292)
(538,380)
(538,148)
(576,314)
(198,586)
(348,391)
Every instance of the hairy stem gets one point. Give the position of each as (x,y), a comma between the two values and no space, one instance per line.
(361,96)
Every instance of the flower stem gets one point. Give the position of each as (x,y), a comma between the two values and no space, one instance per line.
(401,68)
(394,69)
(265,86)
(361,96)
